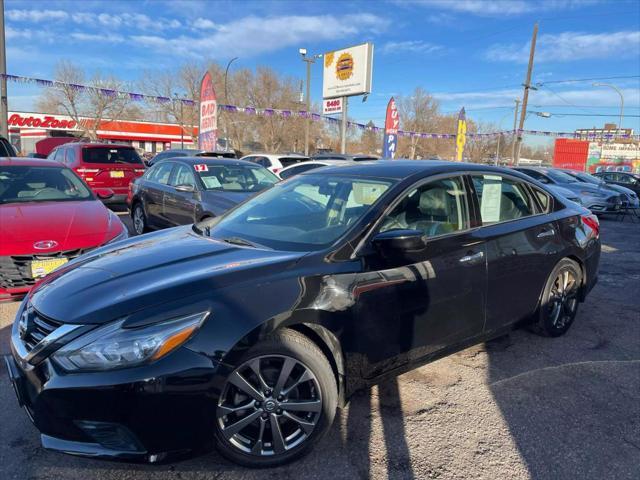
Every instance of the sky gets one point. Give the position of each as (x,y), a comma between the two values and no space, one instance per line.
(469,53)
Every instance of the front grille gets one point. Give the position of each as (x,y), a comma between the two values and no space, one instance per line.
(39,327)
(15,271)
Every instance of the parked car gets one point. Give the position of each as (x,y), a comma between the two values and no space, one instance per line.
(566,193)
(102,165)
(299,168)
(597,199)
(189,152)
(343,156)
(6,149)
(248,330)
(275,162)
(630,197)
(623,179)
(48,216)
(184,190)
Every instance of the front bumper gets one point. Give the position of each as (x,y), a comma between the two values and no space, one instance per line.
(144,414)
(603,206)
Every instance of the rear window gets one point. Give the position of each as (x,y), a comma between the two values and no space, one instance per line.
(286,161)
(113,155)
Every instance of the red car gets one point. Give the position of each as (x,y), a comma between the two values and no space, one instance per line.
(47,217)
(102,165)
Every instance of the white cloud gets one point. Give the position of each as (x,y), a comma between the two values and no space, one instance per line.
(411,46)
(204,24)
(121,20)
(569,46)
(36,15)
(252,35)
(93,37)
(490,8)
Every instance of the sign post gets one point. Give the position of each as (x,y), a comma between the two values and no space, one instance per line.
(343,127)
(208,131)
(391,126)
(461,137)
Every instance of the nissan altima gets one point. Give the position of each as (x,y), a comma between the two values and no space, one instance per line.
(247,331)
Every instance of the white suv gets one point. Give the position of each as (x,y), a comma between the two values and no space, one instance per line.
(275,161)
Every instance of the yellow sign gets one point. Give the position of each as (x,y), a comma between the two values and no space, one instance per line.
(328,59)
(116,174)
(40,268)
(344,67)
(461,137)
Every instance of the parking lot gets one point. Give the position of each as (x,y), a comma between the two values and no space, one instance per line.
(521,406)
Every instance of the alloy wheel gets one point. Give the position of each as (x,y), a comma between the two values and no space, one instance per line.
(138,220)
(269,405)
(563,299)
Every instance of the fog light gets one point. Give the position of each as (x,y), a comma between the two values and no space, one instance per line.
(111,435)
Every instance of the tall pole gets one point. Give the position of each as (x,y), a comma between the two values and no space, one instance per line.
(181,125)
(307,122)
(343,129)
(226,99)
(4,108)
(515,122)
(621,101)
(525,97)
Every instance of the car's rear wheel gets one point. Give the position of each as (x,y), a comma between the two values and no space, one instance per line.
(139,219)
(560,300)
(277,403)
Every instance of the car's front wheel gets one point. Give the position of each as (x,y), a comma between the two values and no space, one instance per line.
(560,300)
(139,219)
(277,403)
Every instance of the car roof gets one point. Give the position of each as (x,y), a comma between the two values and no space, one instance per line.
(208,161)
(28,162)
(95,145)
(398,169)
(275,155)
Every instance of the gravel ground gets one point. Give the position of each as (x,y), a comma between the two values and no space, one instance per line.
(518,407)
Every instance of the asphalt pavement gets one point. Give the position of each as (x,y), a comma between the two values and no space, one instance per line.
(518,407)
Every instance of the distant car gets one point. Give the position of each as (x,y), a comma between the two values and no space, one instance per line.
(593,197)
(6,149)
(189,152)
(566,193)
(102,165)
(343,156)
(631,197)
(185,190)
(299,168)
(48,216)
(624,179)
(275,162)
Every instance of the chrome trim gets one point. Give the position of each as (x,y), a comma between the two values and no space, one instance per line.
(86,449)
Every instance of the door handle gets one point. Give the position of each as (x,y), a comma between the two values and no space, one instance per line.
(471,258)
(549,232)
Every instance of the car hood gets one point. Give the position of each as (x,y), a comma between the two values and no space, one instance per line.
(71,225)
(617,188)
(565,192)
(219,202)
(146,271)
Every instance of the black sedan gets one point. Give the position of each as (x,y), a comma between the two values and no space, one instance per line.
(623,179)
(186,190)
(247,330)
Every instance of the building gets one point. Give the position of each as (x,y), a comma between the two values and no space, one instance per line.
(609,130)
(597,155)
(26,128)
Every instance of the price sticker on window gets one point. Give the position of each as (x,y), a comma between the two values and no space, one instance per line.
(201,167)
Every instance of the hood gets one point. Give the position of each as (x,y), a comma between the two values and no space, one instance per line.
(71,225)
(565,192)
(219,202)
(579,187)
(150,270)
(617,188)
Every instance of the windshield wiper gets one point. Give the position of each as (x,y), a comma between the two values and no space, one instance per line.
(239,241)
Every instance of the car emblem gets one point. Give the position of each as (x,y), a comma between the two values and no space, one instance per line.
(45,244)
(23,325)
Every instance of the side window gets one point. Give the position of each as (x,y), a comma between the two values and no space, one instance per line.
(297,170)
(183,176)
(622,178)
(160,173)
(501,199)
(537,175)
(264,161)
(70,157)
(436,208)
(543,199)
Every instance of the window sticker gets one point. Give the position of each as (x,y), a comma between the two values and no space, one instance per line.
(491,198)
(201,167)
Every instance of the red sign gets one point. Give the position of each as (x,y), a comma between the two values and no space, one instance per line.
(391,126)
(332,105)
(208,133)
(201,167)
(44,121)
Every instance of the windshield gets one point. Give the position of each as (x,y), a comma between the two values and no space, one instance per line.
(22,184)
(585,177)
(235,178)
(110,155)
(306,213)
(561,177)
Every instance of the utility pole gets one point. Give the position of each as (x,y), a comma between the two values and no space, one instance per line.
(309,60)
(515,122)
(4,108)
(343,129)
(525,97)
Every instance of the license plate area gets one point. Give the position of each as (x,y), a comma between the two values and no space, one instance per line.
(116,174)
(42,268)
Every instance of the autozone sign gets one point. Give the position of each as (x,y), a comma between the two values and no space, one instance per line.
(332,105)
(42,121)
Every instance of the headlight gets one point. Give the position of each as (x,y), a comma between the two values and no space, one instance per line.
(111,346)
(121,236)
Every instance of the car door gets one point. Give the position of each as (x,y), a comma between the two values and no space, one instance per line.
(180,207)
(153,191)
(408,309)
(522,245)
(628,181)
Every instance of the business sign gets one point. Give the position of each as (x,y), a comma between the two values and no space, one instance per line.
(461,136)
(43,121)
(348,71)
(331,106)
(208,132)
(391,126)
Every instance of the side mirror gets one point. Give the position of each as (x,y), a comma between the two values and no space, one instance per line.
(185,188)
(393,242)
(104,193)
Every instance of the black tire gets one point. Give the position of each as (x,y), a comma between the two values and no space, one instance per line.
(287,344)
(560,300)
(139,219)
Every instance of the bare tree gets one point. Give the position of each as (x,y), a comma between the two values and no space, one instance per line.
(418,113)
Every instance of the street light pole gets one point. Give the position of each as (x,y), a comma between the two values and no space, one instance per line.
(226,99)
(4,109)
(309,60)
(621,100)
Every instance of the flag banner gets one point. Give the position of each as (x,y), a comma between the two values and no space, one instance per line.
(461,137)
(208,126)
(391,127)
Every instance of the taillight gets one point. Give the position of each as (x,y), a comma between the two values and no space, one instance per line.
(84,171)
(593,223)
(276,170)
(139,170)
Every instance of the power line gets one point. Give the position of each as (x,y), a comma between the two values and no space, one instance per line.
(575,80)
(568,114)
